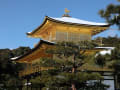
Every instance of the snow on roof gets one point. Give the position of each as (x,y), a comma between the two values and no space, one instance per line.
(14,58)
(78,21)
(29,32)
(105,48)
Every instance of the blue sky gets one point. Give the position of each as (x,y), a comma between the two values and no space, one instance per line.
(20,16)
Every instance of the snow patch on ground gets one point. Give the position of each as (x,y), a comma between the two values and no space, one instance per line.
(106,51)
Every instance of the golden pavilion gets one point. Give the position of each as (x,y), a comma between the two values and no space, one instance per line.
(65,28)
(52,30)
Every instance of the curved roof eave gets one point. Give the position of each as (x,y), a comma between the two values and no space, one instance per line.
(79,24)
(44,21)
(69,23)
(35,48)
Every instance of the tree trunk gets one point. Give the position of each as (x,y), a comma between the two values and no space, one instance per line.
(73,86)
(73,71)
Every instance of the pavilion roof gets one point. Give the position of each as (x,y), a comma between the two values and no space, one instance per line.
(78,21)
(69,21)
(36,51)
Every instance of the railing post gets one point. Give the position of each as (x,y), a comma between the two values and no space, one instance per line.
(115,81)
(27,83)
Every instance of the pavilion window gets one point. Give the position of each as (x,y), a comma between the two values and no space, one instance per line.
(84,37)
(78,37)
(73,37)
(61,36)
(69,36)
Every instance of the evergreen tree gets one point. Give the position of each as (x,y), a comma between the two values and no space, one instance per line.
(67,58)
(111,14)
(108,41)
(100,60)
(8,69)
(20,51)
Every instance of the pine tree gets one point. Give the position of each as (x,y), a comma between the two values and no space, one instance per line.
(9,70)
(67,58)
(111,14)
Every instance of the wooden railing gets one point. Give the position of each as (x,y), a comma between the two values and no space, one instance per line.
(35,69)
(95,69)
(32,70)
